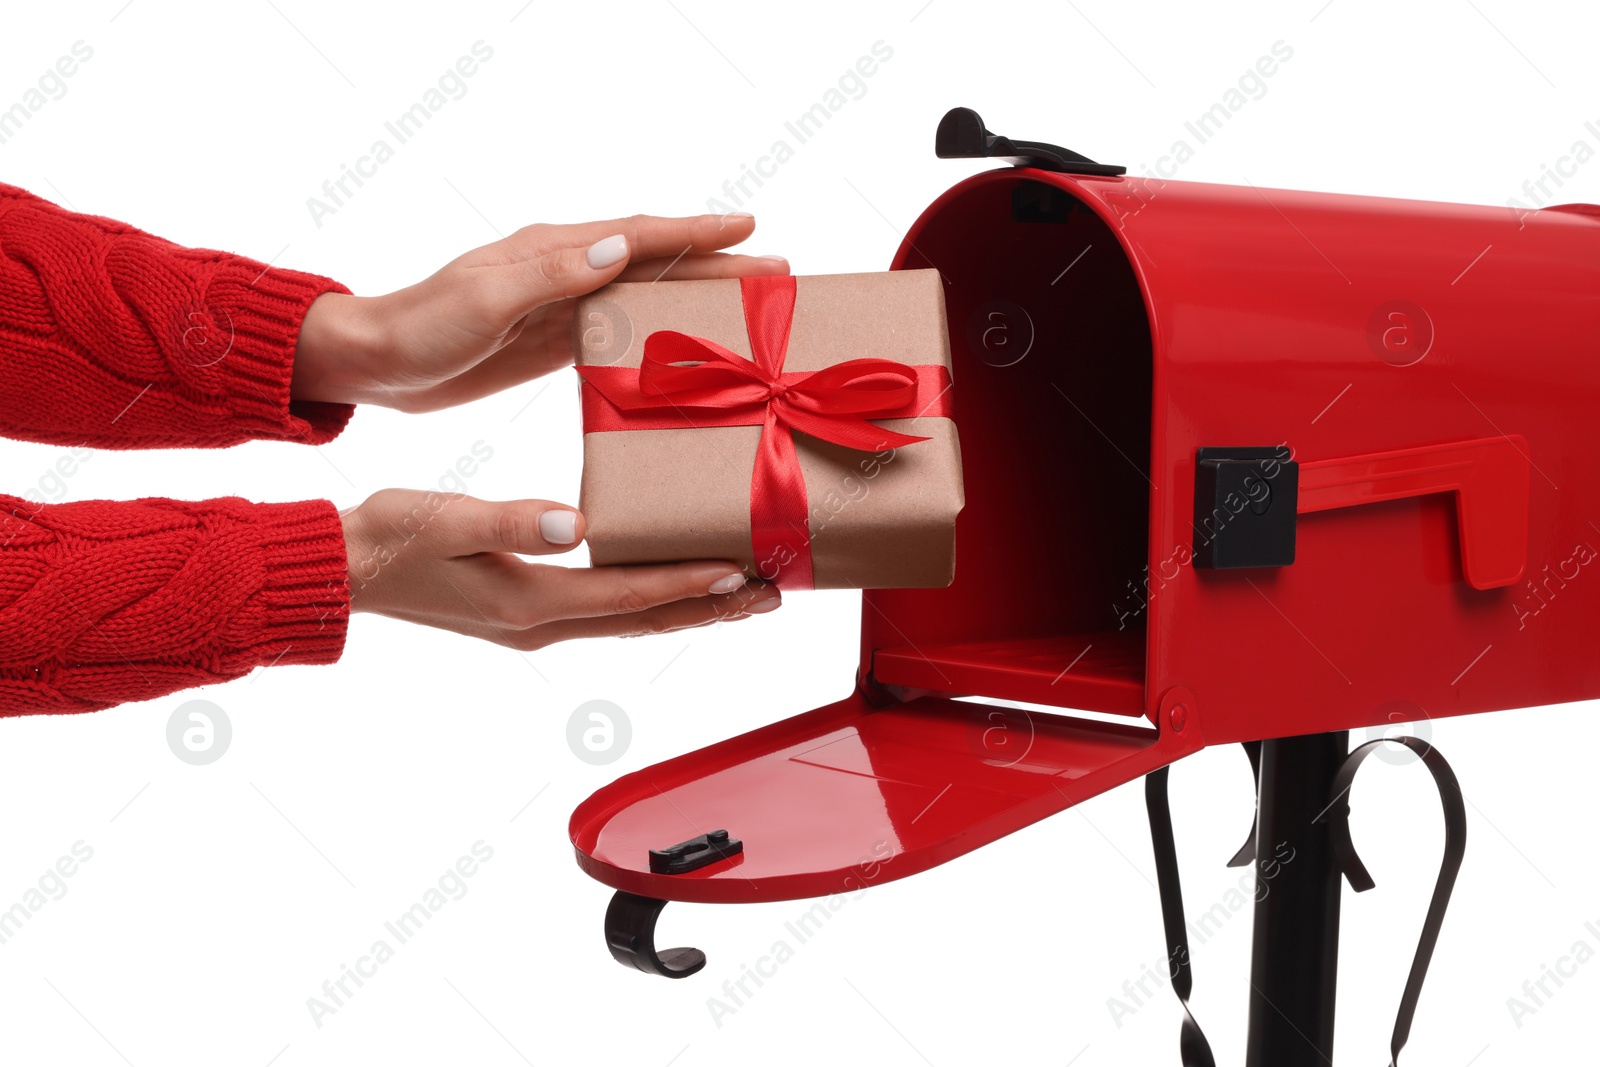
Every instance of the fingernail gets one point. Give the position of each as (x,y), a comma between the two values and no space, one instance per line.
(607,251)
(737,215)
(727,583)
(559,527)
(775,259)
(759,606)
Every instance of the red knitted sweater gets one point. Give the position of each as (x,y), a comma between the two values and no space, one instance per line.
(113,338)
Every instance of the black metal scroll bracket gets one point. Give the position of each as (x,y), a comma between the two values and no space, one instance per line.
(631,937)
(1247,851)
(1192,1045)
(962,135)
(1455,847)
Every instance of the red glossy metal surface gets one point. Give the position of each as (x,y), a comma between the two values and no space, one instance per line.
(1343,326)
(849,795)
(1433,363)
(1102,671)
(1489,479)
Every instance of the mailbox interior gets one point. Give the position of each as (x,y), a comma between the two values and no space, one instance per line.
(1051,347)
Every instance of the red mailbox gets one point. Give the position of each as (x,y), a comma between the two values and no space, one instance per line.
(1241,464)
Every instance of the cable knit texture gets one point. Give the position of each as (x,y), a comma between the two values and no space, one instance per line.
(118,339)
(113,338)
(103,602)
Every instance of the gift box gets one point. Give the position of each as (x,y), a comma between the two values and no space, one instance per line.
(799,427)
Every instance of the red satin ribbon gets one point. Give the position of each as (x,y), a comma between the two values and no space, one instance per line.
(689,382)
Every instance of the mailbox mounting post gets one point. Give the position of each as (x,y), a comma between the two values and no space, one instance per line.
(1294,951)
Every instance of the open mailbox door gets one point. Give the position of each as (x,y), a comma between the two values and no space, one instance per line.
(1240,464)
(850,795)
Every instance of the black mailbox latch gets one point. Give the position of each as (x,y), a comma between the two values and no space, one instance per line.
(962,135)
(1245,503)
(695,853)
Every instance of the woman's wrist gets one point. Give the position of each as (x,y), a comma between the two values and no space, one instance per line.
(338,345)
(358,555)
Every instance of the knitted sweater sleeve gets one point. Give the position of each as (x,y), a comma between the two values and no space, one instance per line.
(114,338)
(110,337)
(103,602)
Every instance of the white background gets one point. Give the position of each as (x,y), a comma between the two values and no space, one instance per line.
(219,898)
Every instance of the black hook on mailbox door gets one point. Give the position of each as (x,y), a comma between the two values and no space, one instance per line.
(631,919)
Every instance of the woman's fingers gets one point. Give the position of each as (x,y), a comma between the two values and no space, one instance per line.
(541,264)
(454,562)
(466,526)
(668,618)
(574,593)
(481,533)
(499,597)
(510,592)
(515,289)
(544,343)
(680,615)
(702,265)
(648,236)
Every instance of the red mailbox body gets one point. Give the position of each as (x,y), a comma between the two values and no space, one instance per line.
(1429,369)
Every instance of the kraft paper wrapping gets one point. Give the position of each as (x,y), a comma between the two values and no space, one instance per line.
(877,520)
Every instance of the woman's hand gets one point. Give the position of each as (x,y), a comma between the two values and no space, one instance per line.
(501,314)
(451,561)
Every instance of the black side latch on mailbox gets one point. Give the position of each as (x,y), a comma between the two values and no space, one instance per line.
(1245,503)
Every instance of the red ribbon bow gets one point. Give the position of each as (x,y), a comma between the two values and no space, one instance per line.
(687,382)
